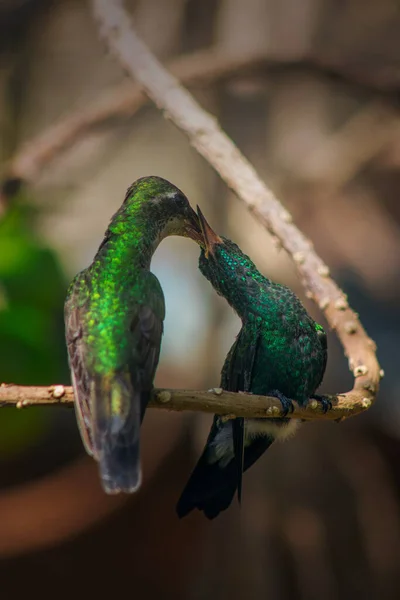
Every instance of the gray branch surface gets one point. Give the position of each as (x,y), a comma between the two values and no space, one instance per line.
(212,401)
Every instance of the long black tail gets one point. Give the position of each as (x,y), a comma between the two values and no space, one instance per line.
(116,433)
(210,489)
(238,450)
(213,483)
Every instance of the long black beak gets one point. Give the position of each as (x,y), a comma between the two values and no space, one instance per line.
(209,235)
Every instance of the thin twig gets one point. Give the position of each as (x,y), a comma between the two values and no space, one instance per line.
(212,401)
(201,67)
(210,141)
(359,140)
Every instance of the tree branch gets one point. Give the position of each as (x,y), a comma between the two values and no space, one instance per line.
(212,401)
(201,67)
(212,143)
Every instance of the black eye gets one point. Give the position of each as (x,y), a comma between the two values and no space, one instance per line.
(180,201)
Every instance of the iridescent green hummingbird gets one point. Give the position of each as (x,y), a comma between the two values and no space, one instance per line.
(114,315)
(280,351)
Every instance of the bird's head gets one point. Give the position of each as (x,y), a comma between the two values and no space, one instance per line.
(219,259)
(163,205)
(231,272)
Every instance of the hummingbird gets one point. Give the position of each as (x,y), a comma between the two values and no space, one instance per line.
(280,351)
(114,313)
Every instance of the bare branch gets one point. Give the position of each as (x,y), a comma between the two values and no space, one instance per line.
(211,142)
(212,401)
(360,139)
(202,67)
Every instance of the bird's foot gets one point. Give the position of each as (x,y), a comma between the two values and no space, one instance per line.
(287,404)
(326,404)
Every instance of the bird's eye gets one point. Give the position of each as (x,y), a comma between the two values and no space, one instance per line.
(176,199)
(180,201)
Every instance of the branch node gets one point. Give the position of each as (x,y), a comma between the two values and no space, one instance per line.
(323,271)
(217,391)
(286,216)
(360,370)
(58,391)
(164,396)
(370,387)
(299,258)
(366,402)
(350,327)
(324,303)
(341,303)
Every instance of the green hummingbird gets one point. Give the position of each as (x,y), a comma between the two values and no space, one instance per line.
(114,315)
(280,351)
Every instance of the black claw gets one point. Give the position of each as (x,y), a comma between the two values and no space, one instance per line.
(287,404)
(325,402)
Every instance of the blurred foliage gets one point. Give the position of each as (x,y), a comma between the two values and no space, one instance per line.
(32,289)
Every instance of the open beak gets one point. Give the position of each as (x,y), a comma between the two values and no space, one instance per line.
(193,229)
(210,237)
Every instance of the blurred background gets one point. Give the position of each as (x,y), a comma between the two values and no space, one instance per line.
(309,91)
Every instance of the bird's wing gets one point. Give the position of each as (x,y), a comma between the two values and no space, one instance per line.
(119,403)
(79,374)
(109,410)
(218,473)
(324,345)
(237,375)
(146,333)
(213,482)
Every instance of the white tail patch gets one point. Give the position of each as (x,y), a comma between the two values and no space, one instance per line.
(280,431)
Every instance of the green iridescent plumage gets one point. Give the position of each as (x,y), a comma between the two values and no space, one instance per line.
(114,316)
(279,351)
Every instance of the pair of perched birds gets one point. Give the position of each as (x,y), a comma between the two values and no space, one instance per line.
(114,316)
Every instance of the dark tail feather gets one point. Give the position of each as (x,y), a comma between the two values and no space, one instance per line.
(210,489)
(238,450)
(116,433)
(212,485)
(144,400)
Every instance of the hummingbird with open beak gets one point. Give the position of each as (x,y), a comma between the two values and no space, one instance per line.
(114,315)
(280,351)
